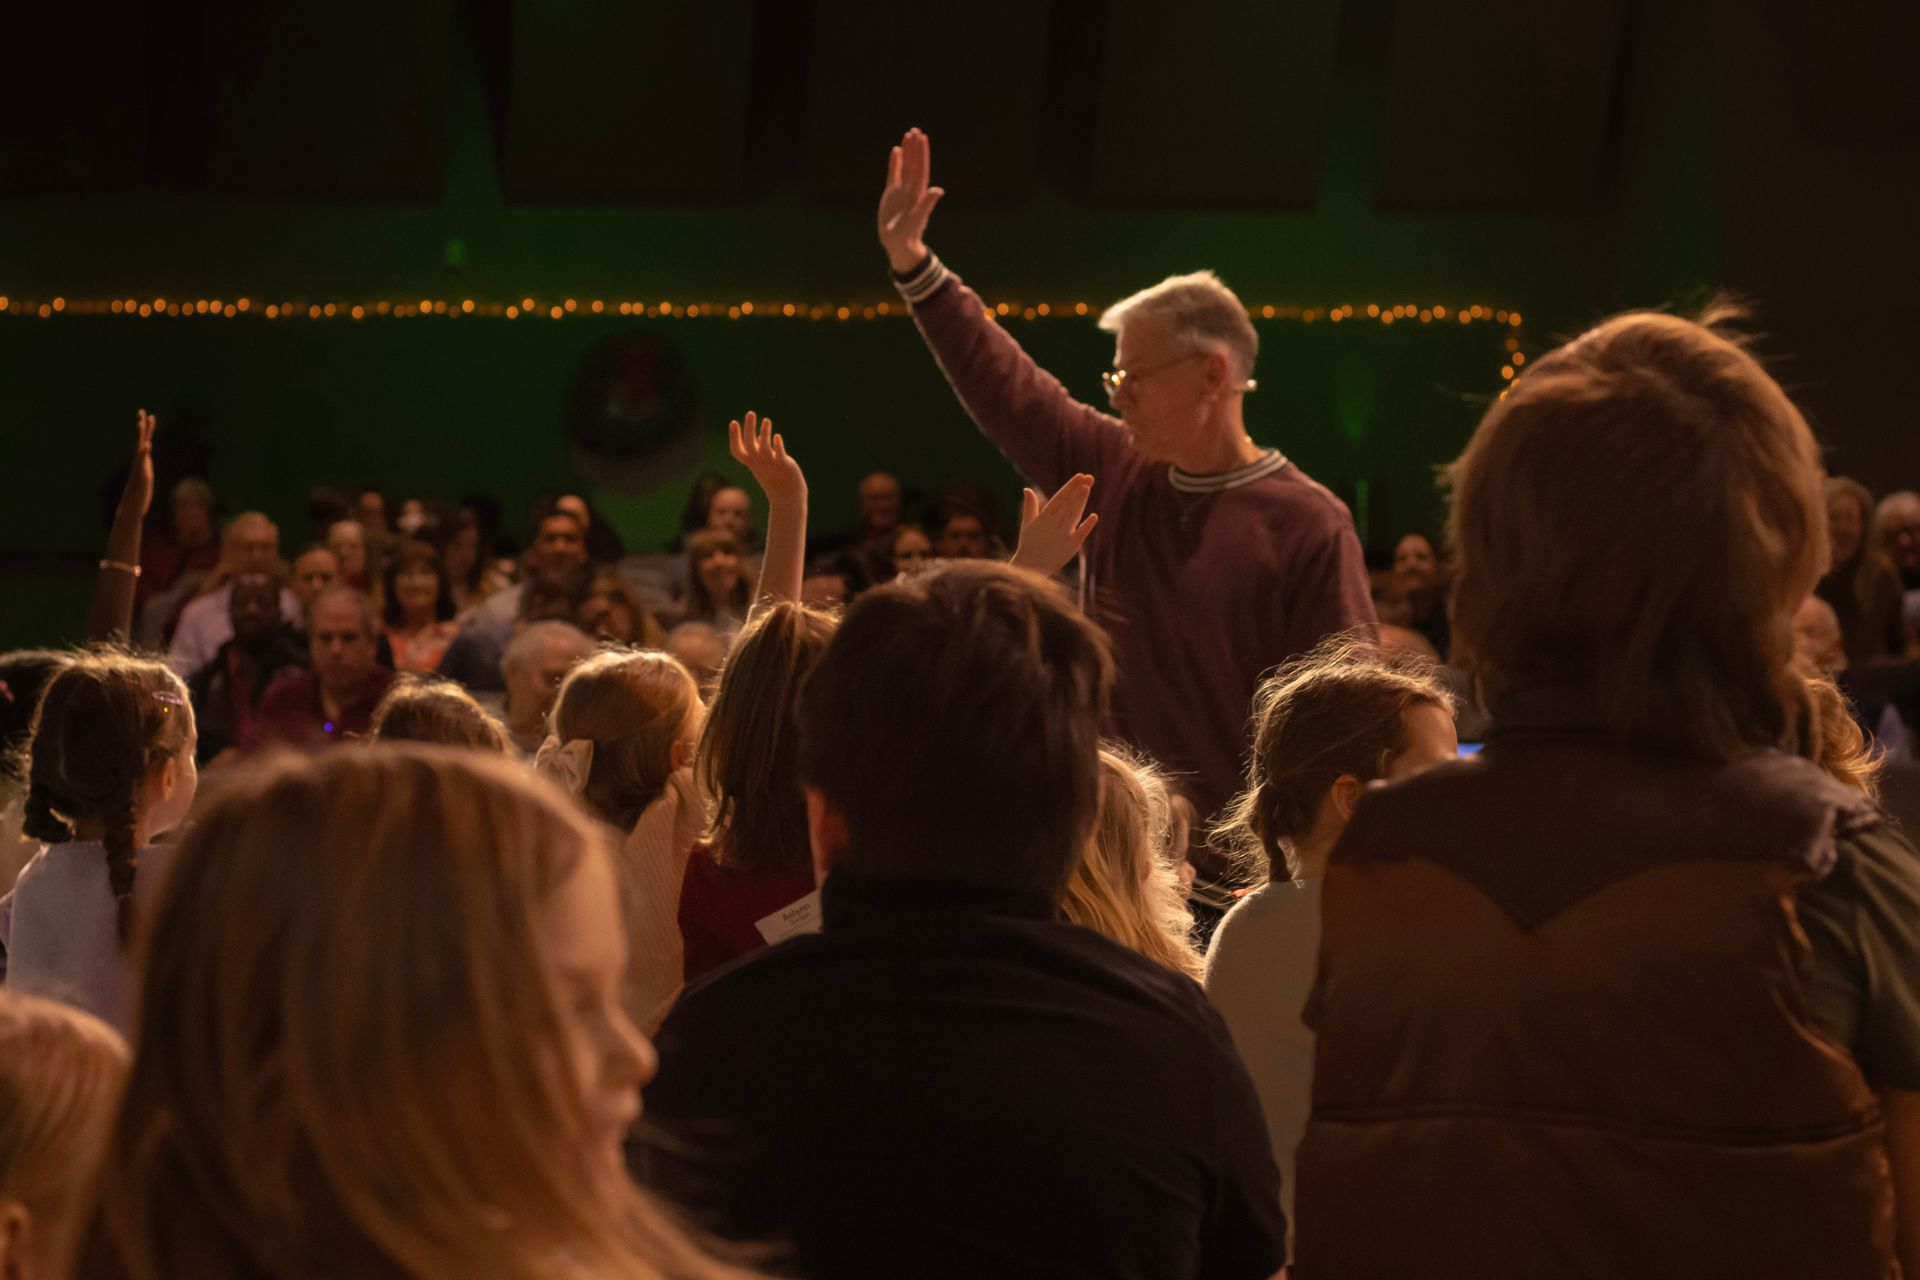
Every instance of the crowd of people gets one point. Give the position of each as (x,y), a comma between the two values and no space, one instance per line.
(1166,896)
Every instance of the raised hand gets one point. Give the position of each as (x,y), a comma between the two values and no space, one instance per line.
(137,497)
(1052,533)
(759,450)
(907,203)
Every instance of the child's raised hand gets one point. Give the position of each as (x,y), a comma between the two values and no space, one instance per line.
(759,450)
(1051,534)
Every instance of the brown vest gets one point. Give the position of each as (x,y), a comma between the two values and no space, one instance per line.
(1563,1029)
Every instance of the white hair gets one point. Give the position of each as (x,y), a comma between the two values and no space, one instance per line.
(1196,309)
(1904,500)
(536,636)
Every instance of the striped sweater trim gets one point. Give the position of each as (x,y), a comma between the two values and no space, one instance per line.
(925,281)
(1188,482)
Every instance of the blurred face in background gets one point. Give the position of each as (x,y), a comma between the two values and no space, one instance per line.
(192,523)
(559,544)
(370,509)
(880,502)
(1846,526)
(253,544)
(348,542)
(731,512)
(342,644)
(315,571)
(608,617)
(254,606)
(1900,531)
(1415,566)
(911,551)
(963,538)
(417,587)
(719,574)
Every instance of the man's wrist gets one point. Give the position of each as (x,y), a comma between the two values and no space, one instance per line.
(925,280)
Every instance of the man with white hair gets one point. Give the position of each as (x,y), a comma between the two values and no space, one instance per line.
(1215,558)
(250,544)
(1896,521)
(535,662)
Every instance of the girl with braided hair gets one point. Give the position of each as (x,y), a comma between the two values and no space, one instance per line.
(1325,725)
(109,767)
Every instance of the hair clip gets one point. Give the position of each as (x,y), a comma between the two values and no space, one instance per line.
(169,697)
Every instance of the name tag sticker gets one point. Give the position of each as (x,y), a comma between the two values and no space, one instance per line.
(802,916)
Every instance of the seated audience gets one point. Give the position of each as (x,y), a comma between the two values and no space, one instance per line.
(1862,585)
(831,581)
(1896,522)
(531,671)
(61,1075)
(1326,725)
(314,570)
(23,674)
(552,594)
(624,727)
(951,1081)
(1125,887)
(251,544)
(311,708)
(229,688)
(610,613)
(720,586)
(1645,988)
(419,619)
(447,1093)
(423,709)
(754,867)
(109,768)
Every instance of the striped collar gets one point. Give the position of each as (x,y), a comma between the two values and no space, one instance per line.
(1265,465)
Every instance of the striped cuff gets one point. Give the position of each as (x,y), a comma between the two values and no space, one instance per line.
(923,281)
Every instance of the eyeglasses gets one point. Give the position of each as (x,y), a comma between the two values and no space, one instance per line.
(1115,379)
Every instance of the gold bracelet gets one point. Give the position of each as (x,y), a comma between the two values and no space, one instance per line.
(122,566)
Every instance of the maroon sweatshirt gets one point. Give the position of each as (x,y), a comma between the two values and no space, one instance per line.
(1205,582)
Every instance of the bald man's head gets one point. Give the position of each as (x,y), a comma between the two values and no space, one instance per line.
(251,544)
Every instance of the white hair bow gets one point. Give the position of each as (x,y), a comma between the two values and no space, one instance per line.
(567,764)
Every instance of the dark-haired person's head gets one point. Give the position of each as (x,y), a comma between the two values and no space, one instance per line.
(23,674)
(254,606)
(417,591)
(559,541)
(1587,557)
(554,595)
(951,732)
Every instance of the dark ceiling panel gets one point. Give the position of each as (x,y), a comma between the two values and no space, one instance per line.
(339,101)
(1213,105)
(1495,109)
(972,75)
(76,87)
(1856,62)
(611,102)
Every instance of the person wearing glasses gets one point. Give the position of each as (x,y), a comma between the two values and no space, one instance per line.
(1216,558)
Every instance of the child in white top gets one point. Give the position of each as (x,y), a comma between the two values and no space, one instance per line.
(109,767)
(1325,726)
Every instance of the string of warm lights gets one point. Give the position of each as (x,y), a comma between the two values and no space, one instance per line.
(530,308)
